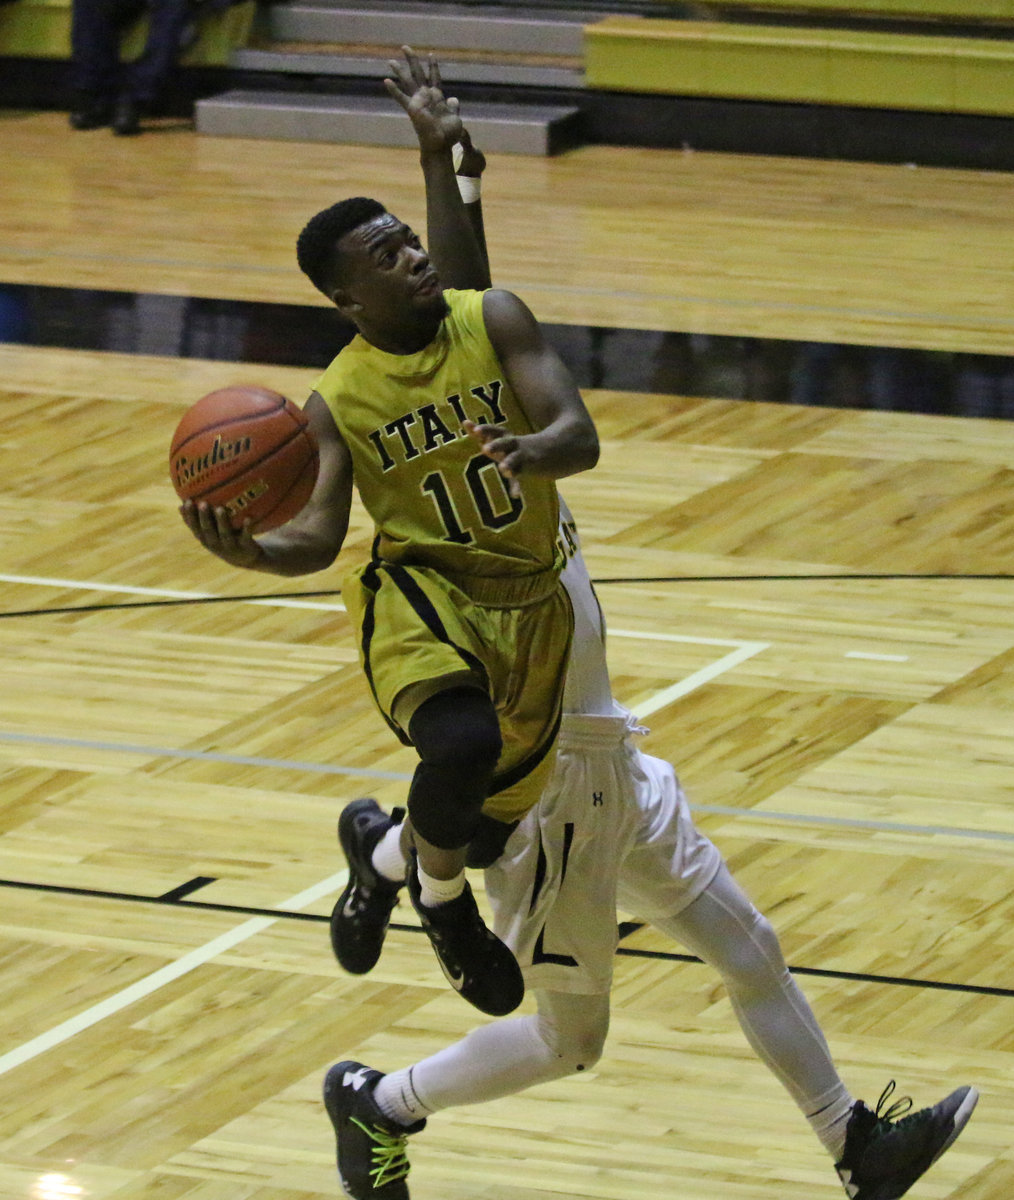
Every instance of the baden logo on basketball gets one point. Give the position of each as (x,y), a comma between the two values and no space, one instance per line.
(248,450)
(191,470)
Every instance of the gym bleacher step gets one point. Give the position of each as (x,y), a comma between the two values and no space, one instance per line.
(564,72)
(429,26)
(377,121)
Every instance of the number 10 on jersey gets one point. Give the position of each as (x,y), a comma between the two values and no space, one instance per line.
(490,499)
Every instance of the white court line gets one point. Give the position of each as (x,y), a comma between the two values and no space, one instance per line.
(743,650)
(164,975)
(667,695)
(868,654)
(164,593)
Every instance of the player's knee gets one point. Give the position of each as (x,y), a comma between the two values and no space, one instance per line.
(458,731)
(578,1047)
(755,962)
(457,737)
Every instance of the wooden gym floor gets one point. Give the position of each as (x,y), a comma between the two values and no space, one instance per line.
(810,606)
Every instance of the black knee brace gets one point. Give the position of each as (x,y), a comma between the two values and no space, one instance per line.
(457,736)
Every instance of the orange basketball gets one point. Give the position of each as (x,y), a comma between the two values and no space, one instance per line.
(246,449)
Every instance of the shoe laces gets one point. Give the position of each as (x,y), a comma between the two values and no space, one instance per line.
(897,1110)
(388,1153)
(894,1116)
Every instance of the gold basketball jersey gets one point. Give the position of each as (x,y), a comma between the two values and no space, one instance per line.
(436,499)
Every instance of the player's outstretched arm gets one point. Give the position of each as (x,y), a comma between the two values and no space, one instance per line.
(469,165)
(565,441)
(311,540)
(453,245)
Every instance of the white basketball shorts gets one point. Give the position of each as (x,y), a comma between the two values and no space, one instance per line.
(612,829)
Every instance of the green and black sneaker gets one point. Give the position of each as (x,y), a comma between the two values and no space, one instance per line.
(887,1151)
(372,1158)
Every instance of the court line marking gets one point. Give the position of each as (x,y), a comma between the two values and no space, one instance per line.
(240,760)
(163,976)
(285,764)
(165,593)
(872,657)
(683,687)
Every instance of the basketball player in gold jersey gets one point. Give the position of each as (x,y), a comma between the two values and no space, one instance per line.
(455,419)
(554,894)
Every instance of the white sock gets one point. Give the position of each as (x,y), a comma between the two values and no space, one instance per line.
(388,858)
(434,891)
(396,1098)
(830,1120)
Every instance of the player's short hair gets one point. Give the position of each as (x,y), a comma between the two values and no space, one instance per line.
(316,246)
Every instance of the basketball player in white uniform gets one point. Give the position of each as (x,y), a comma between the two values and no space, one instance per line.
(613,829)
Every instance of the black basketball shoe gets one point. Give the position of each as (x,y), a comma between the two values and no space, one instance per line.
(886,1152)
(359,920)
(477,964)
(372,1159)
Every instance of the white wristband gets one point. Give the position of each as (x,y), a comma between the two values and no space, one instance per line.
(470,187)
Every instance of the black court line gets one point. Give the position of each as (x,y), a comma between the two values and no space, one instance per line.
(169,602)
(184,601)
(187,889)
(628,952)
(827,973)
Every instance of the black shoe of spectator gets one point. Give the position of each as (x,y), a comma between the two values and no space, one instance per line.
(91,112)
(126,117)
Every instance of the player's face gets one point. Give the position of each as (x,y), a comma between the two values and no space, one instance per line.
(387,274)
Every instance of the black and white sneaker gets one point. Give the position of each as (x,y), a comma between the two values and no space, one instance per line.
(887,1151)
(360,918)
(372,1158)
(476,963)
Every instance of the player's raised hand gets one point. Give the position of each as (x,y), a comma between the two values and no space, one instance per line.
(417,87)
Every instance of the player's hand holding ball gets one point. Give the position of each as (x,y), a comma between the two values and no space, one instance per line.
(243,461)
(213,529)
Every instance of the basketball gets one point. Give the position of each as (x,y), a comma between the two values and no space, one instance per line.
(249,450)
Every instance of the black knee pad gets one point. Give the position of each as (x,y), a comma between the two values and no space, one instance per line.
(457,736)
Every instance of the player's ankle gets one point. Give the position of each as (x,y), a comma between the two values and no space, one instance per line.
(388,858)
(434,892)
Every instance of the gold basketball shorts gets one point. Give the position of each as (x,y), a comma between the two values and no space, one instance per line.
(418,633)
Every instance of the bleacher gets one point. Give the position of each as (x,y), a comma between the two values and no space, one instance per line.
(970,11)
(772,76)
(811,63)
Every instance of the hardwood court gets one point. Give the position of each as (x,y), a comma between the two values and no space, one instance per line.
(815,622)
